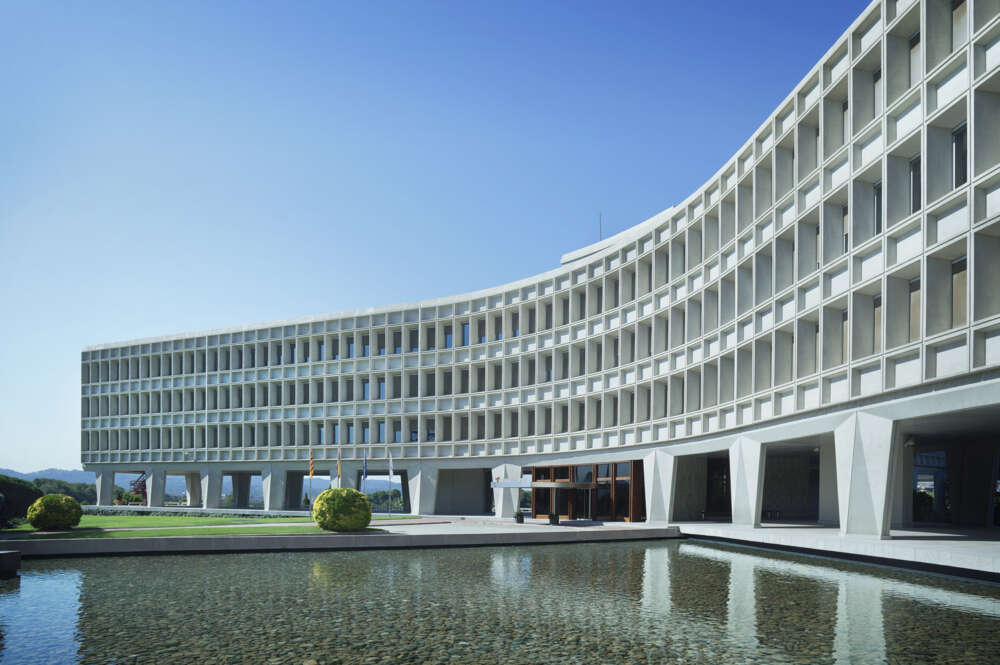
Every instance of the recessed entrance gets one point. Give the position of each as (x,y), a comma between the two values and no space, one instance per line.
(604,492)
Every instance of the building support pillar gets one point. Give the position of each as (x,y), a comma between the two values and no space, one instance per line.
(506,500)
(241,489)
(828,513)
(154,486)
(211,487)
(273,481)
(105,487)
(192,486)
(867,456)
(746,471)
(422,482)
(658,471)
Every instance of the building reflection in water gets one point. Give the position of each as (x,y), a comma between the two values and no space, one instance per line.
(819,613)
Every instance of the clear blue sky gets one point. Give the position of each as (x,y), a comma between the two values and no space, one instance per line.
(177,166)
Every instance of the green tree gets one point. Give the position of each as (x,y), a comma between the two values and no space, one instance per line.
(85,493)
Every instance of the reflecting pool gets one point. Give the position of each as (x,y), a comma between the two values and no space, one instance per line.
(638,602)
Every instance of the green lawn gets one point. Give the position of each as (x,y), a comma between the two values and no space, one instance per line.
(91,526)
(211,531)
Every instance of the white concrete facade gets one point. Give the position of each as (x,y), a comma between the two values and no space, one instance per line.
(838,276)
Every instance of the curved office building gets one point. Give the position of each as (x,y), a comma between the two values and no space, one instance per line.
(814,335)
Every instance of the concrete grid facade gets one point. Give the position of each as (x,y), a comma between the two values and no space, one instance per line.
(837,281)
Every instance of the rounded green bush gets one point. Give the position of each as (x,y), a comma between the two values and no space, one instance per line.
(54,512)
(342,509)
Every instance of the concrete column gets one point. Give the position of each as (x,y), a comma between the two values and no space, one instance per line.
(293,491)
(505,500)
(192,485)
(866,458)
(902,502)
(273,481)
(241,489)
(211,487)
(658,472)
(828,513)
(154,486)
(105,487)
(422,481)
(746,472)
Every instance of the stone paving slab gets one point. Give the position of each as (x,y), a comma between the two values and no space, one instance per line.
(451,534)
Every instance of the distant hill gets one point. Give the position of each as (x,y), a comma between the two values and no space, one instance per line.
(175,484)
(69,475)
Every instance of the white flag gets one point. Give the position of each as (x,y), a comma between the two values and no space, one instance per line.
(390,468)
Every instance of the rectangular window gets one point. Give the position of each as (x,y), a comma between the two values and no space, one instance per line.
(481,330)
(846,223)
(350,346)
(465,334)
(335,433)
(350,433)
(397,434)
(414,435)
(877,212)
(844,336)
(548,315)
(845,122)
(366,347)
(515,324)
(365,433)
(915,184)
(414,341)
(319,349)
(915,69)
(381,432)
(959,23)
(876,324)
(914,323)
(497,327)
(397,387)
(876,92)
(397,342)
(431,342)
(381,344)
(959,311)
(959,154)
(449,338)
(381,388)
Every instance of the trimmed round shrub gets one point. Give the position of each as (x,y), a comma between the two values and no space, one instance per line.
(54,512)
(342,509)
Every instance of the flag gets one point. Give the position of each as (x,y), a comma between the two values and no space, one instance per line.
(312,469)
(390,468)
(338,463)
(364,466)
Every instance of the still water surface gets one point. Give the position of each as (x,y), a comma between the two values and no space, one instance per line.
(640,602)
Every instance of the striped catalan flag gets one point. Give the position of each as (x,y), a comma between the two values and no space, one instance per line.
(312,468)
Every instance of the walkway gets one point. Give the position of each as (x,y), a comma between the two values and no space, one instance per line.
(432,533)
(947,550)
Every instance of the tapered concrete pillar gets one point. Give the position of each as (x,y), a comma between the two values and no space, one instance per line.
(105,487)
(828,513)
(658,473)
(273,481)
(746,470)
(505,500)
(192,486)
(867,455)
(422,481)
(211,487)
(154,486)
(293,491)
(241,489)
